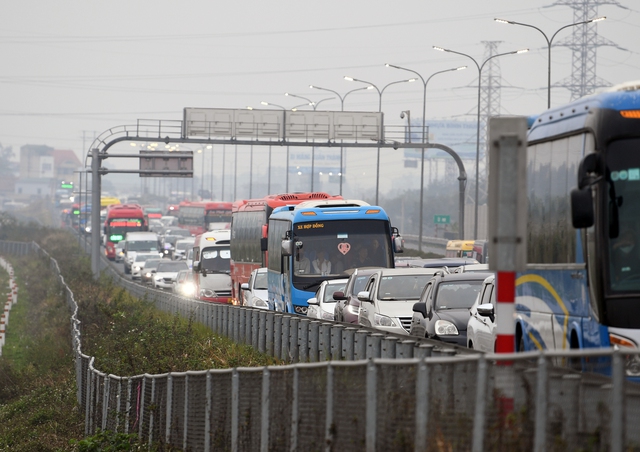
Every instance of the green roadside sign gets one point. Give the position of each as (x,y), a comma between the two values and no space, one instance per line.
(442,219)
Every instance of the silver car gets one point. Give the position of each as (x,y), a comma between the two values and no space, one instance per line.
(166,274)
(255,292)
(387,300)
(322,306)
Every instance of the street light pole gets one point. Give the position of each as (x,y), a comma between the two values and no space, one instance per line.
(342,98)
(424,135)
(549,43)
(479,67)
(380,92)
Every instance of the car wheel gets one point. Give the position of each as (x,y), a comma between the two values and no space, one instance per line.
(470,345)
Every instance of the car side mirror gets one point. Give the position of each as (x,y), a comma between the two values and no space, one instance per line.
(313,301)
(339,296)
(582,215)
(244,286)
(486,310)
(421,308)
(364,296)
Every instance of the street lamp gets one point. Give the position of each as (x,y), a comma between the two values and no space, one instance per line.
(342,98)
(480,67)
(380,92)
(424,134)
(549,42)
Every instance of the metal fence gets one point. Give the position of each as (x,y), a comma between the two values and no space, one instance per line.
(525,401)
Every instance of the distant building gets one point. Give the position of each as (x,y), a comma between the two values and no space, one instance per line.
(42,168)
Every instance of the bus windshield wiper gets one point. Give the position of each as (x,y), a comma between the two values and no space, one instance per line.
(317,282)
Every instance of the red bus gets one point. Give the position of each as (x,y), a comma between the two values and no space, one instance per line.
(121,218)
(249,226)
(199,217)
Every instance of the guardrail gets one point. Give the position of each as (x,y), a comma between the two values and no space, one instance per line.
(466,402)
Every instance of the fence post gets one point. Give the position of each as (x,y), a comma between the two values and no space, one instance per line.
(284,350)
(127,407)
(262,333)
(422,406)
(329,427)
(294,346)
(571,389)
(264,417)
(423,351)
(617,402)
(314,339)
(207,414)
(185,424)
(277,335)
(295,415)
(540,435)
(269,332)
(242,325)
(336,341)
(255,328)
(360,344)
(167,426)
(303,340)
(248,331)
(152,412)
(388,347)
(235,408)
(404,349)
(480,411)
(348,336)
(371,407)
(325,341)
(374,345)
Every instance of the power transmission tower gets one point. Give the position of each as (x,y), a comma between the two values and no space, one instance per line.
(584,43)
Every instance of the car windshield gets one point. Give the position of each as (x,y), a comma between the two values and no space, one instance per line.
(142,245)
(402,287)
(457,295)
(172,267)
(152,263)
(330,289)
(261,282)
(216,259)
(359,283)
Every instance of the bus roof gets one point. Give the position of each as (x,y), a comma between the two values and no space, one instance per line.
(106,201)
(124,210)
(282,199)
(207,205)
(211,238)
(302,213)
(465,245)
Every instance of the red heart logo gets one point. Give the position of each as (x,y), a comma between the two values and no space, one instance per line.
(344,248)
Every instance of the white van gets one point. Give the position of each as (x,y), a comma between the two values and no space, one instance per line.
(139,242)
(212,266)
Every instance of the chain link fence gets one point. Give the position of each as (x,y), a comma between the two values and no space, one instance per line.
(445,401)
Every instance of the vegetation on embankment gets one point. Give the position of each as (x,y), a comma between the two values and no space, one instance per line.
(38,407)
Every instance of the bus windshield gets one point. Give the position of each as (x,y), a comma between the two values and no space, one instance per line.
(331,247)
(218,216)
(216,259)
(121,226)
(623,163)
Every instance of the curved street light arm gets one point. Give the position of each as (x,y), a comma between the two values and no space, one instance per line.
(299,97)
(315,104)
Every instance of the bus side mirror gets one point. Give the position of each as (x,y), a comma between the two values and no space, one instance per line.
(398,244)
(582,208)
(264,244)
(287,247)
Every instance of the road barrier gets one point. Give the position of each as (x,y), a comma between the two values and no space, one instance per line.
(523,401)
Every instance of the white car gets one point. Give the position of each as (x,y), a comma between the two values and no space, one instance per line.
(182,247)
(323,305)
(481,329)
(255,293)
(389,295)
(184,284)
(166,274)
(120,251)
(138,264)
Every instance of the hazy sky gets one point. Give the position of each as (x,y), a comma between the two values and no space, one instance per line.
(72,67)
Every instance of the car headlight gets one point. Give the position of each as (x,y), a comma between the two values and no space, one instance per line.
(148,275)
(259,302)
(632,362)
(446,328)
(327,315)
(136,267)
(355,310)
(382,320)
(188,288)
(207,293)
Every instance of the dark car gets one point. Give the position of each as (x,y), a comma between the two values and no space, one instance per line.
(443,310)
(150,267)
(347,303)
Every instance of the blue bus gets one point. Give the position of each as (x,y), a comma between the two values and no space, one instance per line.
(582,284)
(318,240)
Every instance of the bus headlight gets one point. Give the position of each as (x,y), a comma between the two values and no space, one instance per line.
(382,320)
(446,328)
(300,310)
